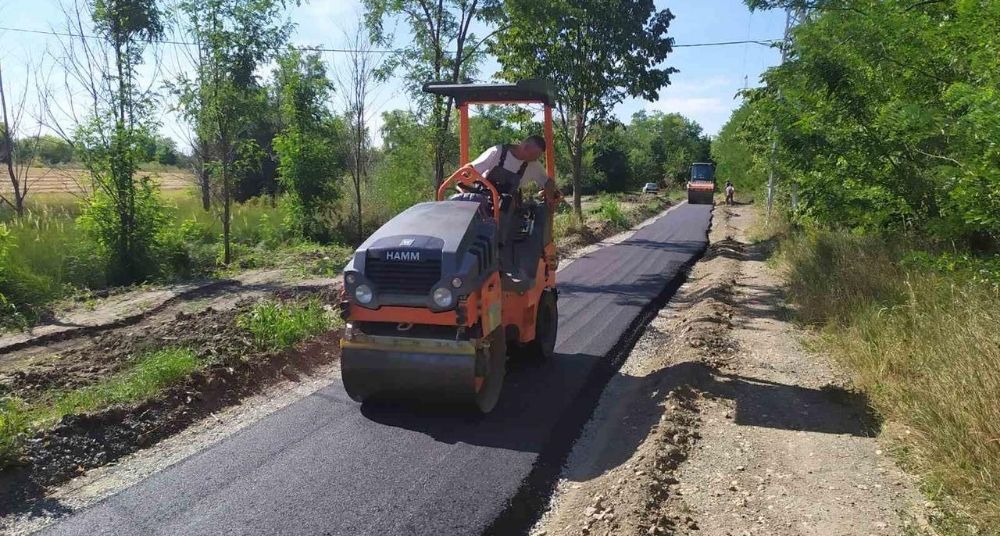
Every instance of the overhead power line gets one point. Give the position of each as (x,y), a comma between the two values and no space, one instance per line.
(308,48)
(762,42)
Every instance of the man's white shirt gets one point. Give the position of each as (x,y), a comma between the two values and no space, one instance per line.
(533,173)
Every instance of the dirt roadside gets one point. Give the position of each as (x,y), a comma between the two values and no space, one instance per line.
(720,423)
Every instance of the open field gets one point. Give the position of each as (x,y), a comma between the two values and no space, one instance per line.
(76,181)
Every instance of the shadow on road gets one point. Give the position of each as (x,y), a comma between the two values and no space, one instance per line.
(830,410)
(532,403)
(528,408)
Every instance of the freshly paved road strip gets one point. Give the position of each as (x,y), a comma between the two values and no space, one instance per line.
(326,466)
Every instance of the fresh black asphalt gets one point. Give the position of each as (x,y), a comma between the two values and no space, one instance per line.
(327,466)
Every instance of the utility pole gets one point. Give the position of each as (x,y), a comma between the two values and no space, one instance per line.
(793,17)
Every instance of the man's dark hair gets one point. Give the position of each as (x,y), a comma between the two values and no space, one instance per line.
(538,141)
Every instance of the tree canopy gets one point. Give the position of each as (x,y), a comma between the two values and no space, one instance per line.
(885,115)
(596,52)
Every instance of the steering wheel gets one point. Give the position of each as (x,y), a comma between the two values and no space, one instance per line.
(477,188)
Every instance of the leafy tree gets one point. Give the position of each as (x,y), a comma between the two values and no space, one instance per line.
(491,125)
(443,49)
(756,5)
(123,213)
(166,152)
(47,149)
(740,156)
(893,132)
(596,52)
(667,144)
(310,146)
(402,163)
(262,177)
(359,81)
(611,159)
(156,148)
(221,101)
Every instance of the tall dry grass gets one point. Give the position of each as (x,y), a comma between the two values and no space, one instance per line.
(925,347)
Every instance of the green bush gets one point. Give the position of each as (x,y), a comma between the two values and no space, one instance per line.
(611,211)
(276,326)
(128,245)
(564,223)
(13,425)
(56,255)
(186,250)
(21,291)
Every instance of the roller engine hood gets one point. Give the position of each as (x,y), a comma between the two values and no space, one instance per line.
(424,247)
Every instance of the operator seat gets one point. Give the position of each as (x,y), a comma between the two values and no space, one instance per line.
(519,252)
(519,259)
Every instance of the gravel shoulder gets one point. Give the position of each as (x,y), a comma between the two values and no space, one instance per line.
(721,423)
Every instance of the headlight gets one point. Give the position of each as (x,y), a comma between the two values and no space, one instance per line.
(351,278)
(442,297)
(363,294)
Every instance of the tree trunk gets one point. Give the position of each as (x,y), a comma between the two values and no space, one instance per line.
(359,163)
(438,167)
(577,157)
(15,184)
(206,188)
(579,136)
(227,255)
(204,179)
(19,203)
(357,200)
(8,153)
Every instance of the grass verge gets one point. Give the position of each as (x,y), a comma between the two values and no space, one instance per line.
(149,375)
(609,214)
(925,347)
(276,326)
(146,376)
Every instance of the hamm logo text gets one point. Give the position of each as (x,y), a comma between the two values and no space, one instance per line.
(408,256)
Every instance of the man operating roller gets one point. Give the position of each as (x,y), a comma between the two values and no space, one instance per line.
(509,167)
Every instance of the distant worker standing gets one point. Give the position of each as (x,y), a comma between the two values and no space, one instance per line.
(730,192)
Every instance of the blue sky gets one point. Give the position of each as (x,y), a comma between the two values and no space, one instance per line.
(703,90)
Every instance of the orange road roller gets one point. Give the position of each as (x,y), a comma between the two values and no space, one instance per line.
(438,298)
(701,187)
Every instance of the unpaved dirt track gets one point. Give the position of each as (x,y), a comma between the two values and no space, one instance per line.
(324,465)
(719,423)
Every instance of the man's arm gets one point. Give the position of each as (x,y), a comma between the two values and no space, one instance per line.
(487,161)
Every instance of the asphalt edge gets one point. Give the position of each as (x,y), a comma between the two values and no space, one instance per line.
(531,500)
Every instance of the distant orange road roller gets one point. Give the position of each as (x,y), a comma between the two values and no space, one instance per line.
(701,187)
